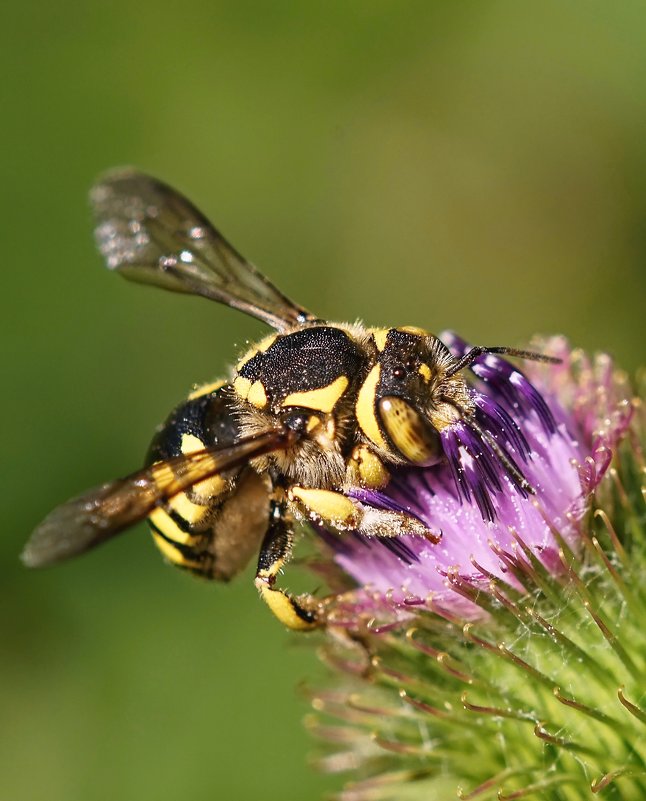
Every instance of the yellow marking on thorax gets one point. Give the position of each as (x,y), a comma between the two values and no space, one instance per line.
(257,396)
(242,386)
(259,347)
(206,389)
(365,408)
(379,335)
(413,329)
(323,399)
(332,507)
(425,371)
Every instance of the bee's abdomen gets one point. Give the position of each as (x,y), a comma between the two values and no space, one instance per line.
(207,415)
(211,528)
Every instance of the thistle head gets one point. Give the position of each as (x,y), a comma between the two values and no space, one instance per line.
(508,659)
(520,467)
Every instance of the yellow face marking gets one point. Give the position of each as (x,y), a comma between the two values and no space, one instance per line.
(257,396)
(172,554)
(413,329)
(370,468)
(283,608)
(425,371)
(169,527)
(379,335)
(242,386)
(260,347)
(365,408)
(323,399)
(206,389)
(330,506)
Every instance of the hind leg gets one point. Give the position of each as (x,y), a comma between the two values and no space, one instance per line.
(301,613)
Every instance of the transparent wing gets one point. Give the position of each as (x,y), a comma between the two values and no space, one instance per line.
(152,234)
(102,512)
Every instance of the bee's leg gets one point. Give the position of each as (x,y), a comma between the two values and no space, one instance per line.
(296,613)
(365,469)
(335,509)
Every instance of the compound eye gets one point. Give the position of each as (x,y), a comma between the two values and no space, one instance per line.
(415,438)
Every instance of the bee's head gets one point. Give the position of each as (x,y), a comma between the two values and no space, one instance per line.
(410,396)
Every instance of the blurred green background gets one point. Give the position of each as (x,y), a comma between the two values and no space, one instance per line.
(471,165)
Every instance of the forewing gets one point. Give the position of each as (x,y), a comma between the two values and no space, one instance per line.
(152,234)
(102,512)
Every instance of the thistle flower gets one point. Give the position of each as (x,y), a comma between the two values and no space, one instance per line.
(507,660)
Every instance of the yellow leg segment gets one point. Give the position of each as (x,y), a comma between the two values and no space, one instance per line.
(342,513)
(297,613)
(327,505)
(365,469)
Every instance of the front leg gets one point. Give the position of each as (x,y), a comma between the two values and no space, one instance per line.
(332,508)
(300,613)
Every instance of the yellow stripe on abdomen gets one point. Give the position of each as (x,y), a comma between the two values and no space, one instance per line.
(193,513)
(206,389)
(173,554)
(208,488)
(169,528)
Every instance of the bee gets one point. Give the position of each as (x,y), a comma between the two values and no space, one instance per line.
(311,412)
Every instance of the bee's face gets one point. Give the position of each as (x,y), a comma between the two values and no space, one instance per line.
(414,398)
